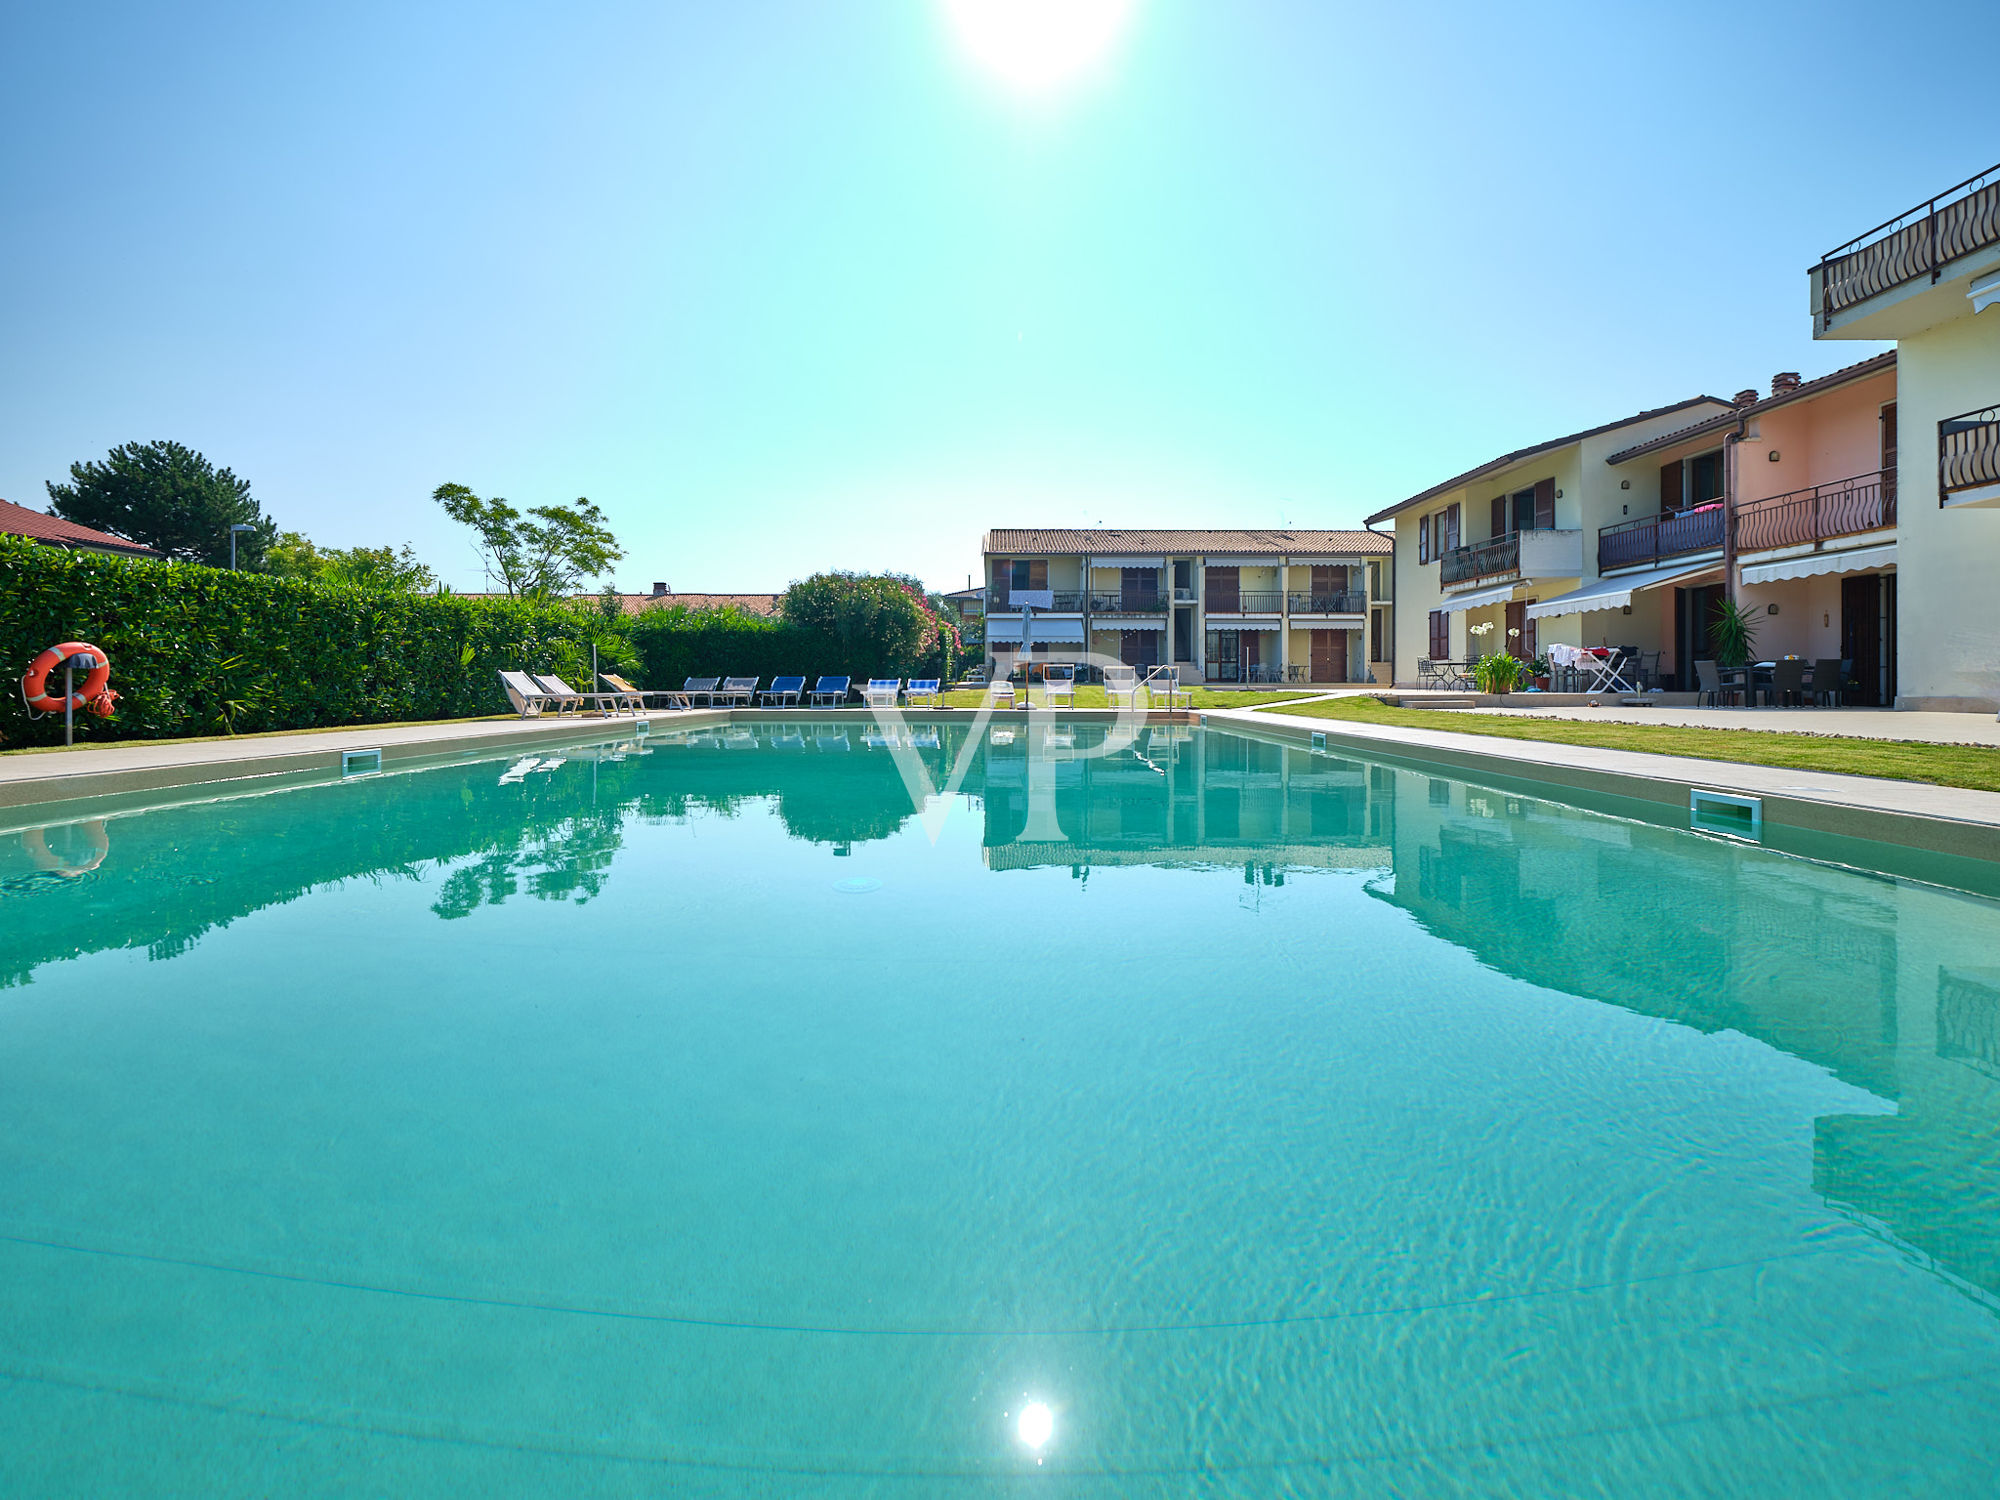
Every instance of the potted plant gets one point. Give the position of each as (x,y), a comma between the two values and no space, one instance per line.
(1496,673)
(1539,673)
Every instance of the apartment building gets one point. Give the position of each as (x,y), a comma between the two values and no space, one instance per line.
(1226,606)
(1477,555)
(1928,279)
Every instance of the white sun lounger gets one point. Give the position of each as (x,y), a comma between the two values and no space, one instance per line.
(882,692)
(735,690)
(528,696)
(925,688)
(604,703)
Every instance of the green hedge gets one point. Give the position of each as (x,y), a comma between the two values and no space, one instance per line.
(197,650)
(676,643)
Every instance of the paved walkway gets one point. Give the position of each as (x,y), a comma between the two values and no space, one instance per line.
(1870,793)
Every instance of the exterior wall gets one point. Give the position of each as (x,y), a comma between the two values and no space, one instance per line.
(1818,440)
(1808,619)
(1948,599)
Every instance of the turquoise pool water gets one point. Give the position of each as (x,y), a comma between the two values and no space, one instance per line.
(687,1120)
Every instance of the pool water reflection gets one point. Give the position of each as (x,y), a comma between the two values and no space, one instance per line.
(1209,1114)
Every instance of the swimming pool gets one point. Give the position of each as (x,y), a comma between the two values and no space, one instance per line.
(692,1115)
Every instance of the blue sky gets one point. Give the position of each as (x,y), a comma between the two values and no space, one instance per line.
(785,286)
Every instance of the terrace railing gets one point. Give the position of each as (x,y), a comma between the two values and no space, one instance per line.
(1059,603)
(1968,452)
(1118,602)
(1867,502)
(1651,539)
(1247,602)
(1340,602)
(1481,560)
(1920,242)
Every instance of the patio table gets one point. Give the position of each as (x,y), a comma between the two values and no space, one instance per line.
(1606,666)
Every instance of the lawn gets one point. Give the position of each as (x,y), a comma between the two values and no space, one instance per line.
(1091,695)
(1973,766)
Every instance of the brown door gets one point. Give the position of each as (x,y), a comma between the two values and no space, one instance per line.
(1517,628)
(1222,587)
(1861,633)
(1670,486)
(1329,656)
(1139,588)
(1500,516)
(1324,582)
(1252,653)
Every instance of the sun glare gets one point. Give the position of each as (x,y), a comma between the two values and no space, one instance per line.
(1036,45)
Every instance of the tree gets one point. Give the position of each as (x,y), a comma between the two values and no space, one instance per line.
(168,497)
(880,621)
(383,569)
(547,552)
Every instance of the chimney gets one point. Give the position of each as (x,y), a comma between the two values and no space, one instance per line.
(1784,382)
(1747,397)
(659,589)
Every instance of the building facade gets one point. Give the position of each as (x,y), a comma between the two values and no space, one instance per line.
(1929,279)
(1224,606)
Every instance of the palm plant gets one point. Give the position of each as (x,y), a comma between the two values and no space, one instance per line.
(1731,634)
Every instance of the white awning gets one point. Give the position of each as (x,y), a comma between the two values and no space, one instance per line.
(1813,565)
(1128,562)
(1263,560)
(1248,625)
(1041,628)
(1301,559)
(1116,623)
(1479,598)
(1612,593)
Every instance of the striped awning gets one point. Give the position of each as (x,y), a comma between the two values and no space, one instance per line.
(1616,593)
(1248,625)
(1817,564)
(1479,598)
(1128,562)
(1043,628)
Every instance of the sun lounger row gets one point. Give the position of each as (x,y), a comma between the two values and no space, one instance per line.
(536,693)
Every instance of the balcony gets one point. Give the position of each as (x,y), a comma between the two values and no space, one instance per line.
(1345,602)
(1969,458)
(1246,602)
(1809,518)
(1059,603)
(1533,554)
(1123,603)
(1653,539)
(1918,243)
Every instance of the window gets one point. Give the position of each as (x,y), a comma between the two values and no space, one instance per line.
(1423,539)
(1450,520)
(1440,642)
(1889,454)
(1031,575)
(1704,472)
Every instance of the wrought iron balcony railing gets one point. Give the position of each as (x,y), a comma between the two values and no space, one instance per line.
(1651,539)
(1846,507)
(1968,452)
(1920,242)
(1340,602)
(1246,602)
(1481,560)
(1119,602)
(1059,603)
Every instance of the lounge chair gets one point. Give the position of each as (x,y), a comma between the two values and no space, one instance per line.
(927,688)
(1059,692)
(829,738)
(1120,684)
(882,692)
(735,690)
(1164,683)
(830,692)
(782,693)
(672,697)
(702,687)
(604,703)
(1000,693)
(528,696)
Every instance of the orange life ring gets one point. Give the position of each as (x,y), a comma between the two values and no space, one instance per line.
(93,695)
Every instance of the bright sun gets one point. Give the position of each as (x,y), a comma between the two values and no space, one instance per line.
(1038,44)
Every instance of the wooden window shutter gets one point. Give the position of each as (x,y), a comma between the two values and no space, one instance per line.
(1545,505)
(1423,539)
(1038,574)
(1500,517)
(1440,642)
(1003,580)
(1670,486)
(1451,527)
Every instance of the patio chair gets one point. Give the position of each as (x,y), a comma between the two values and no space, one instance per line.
(1164,683)
(925,688)
(701,687)
(673,697)
(1829,682)
(882,692)
(1708,679)
(1000,693)
(830,692)
(1120,684)
(828,737)
(604,703)
(1059,692)
(528,696)
(735,690)
(1788,682)
(782,693)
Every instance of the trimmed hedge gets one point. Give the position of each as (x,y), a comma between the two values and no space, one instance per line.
(197,650)
(676,643)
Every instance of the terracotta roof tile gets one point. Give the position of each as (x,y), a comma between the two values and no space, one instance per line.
(1067,542)
(36,525)
(755,604)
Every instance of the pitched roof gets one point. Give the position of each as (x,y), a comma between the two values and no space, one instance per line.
(1507,460)
(57,532)
(1874,365)
(1067,542)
